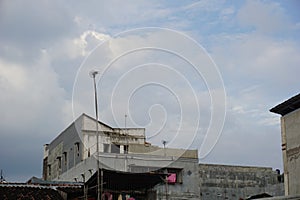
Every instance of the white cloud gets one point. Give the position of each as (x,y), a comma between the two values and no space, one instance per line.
(31,93)
(206,5)
(79,46)
(34,22)
(156,65)
(265,17)
(257,60)
(250,137)
(118,15)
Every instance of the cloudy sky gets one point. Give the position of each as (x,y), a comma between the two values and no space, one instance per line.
(172,78)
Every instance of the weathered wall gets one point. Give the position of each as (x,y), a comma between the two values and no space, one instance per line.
(155,150)
(234,182)
(65,142)
(291,130)
(188,189)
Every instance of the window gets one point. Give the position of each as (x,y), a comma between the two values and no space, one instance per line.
(115,148)
(174,175)
(49,170)
(106,148)
(59,161)
(172,178)
(77,148)
(89,152)
(126,149)
(65,158)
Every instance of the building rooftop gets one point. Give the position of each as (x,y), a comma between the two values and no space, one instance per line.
(25,191)
(287,106)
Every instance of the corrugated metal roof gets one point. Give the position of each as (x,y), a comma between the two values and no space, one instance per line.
(25,191)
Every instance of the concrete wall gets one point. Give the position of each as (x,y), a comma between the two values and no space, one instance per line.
(86,168)
(291,154)
(235,182)
(65,142)
(155,150)
(188,188)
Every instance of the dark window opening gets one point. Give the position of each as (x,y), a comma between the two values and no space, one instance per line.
(77,148)
(106,148)
(89,152)
(174,176)
(115,148)
(126,149)
(59,162)
(65,158)
(49,170)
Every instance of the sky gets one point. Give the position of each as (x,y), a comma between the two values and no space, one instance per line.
(197,74)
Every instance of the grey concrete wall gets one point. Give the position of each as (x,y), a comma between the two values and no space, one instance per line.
(188,189)
(64,142)
(234,182)
(155,150)
(291,130)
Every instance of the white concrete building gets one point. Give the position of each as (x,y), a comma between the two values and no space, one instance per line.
(71,156)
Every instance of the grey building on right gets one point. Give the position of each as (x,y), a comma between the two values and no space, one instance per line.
(238,182)
(290,136)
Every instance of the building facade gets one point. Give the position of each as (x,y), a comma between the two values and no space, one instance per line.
(72,156)
(290,136)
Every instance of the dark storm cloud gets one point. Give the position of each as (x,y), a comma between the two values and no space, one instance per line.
(28,26)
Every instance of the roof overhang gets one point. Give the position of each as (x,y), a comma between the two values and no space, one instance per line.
(288,106)
(122,181)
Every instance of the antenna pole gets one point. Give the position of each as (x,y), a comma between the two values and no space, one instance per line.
(125,121)
(99,171)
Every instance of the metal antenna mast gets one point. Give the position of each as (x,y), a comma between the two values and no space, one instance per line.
(93,74)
